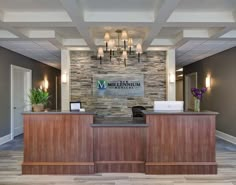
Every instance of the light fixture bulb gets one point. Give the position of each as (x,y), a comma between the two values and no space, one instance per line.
(125,55)
(64,78)
(111,44)
(106,37)
(172,78)
(139,49)
(208,81)
(46,84)
(100,52)
(130,42)
(124,35)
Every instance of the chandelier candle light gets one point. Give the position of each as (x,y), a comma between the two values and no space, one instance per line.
(115,49)
(100,54)
(139,51)
(124,37)
(106,39)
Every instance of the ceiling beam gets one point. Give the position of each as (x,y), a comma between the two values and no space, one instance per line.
(190,17)
(74,42)
(162,42)
(118,16)
(162,14)
(57,41)
(179,41)
(14,31)
(7,35)
(220,33)
(75,11)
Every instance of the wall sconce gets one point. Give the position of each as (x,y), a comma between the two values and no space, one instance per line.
(172,78)
(208,82)
(45,85)
(64,77)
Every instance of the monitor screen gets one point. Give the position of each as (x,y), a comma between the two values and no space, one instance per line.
(75,106)
(168,105)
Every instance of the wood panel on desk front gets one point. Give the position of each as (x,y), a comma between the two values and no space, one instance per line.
(181,144)
(119,149)
(58,144)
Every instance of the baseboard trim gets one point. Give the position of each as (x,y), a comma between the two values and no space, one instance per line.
(5,139)
(226,137)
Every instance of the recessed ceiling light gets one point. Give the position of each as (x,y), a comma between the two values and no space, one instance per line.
(181,69)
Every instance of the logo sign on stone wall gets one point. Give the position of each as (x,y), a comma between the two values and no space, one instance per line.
(118,85)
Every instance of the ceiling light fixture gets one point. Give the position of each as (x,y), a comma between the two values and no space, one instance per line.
(100,54)
(116,49)
(181,69)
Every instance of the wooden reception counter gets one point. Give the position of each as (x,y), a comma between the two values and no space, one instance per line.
(162,143)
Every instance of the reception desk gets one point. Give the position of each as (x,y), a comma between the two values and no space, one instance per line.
(161,143)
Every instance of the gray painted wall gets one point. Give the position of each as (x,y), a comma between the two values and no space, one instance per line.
(39,70)
(222,95)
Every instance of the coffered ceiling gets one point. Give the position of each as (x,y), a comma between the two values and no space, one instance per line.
(40,28)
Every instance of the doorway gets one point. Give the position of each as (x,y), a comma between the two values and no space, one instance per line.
(190,82)
(21,83)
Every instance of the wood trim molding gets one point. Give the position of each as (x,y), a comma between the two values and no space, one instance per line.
(58,164)
(226,137)
(181,164)
(119,162)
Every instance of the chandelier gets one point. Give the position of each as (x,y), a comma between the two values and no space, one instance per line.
(120,48)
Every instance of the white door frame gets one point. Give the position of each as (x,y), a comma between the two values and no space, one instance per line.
(27,87)
(186,87)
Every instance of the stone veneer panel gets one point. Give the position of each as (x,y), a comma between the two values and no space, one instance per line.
(84,64)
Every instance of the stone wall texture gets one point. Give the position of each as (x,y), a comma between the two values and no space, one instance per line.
(84,65)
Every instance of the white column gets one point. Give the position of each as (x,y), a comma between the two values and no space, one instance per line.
(65,87)
(170,71)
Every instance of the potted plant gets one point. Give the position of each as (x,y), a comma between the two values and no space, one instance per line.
(38,99)
(197,93)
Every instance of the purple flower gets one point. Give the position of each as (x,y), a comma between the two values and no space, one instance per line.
(198,93)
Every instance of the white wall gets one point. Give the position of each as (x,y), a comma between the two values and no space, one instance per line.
(65,87)
(170,70)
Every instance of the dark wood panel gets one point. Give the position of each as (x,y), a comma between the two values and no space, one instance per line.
(120,166)
(116,146)
(181,169)
(180,138)
(119,144)
(58,138)
(57,169)
(67,144)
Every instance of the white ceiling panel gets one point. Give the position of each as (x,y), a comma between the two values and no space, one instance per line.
(30,5)
(120,6)
(195,28)
(206,5)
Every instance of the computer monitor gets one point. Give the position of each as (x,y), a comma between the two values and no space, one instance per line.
(168,105)
(75,106)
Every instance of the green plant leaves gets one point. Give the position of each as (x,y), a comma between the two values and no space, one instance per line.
(38,96)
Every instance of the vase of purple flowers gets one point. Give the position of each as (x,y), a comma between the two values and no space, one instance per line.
(198,94)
